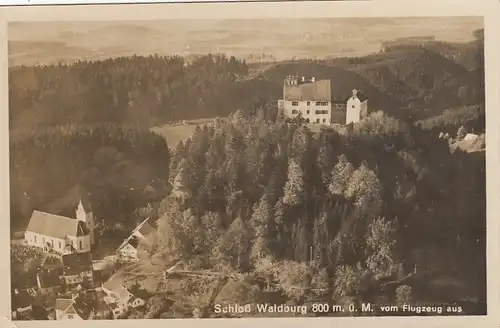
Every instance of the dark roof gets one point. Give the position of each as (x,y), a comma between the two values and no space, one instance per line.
(360,96)
(97,277)
(146,229)
(84,306)
(21,299)
(134,242)
(141,293)
(313,91)
(55,225)
(50,277)
(77,263)
(132,235)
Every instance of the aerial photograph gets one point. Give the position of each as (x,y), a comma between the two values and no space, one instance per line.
(326,167)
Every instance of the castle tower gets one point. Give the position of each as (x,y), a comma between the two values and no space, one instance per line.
(84,214)
(353,108)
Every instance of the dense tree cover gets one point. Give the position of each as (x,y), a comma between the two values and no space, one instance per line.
(121,166)
(349,215)
(149,90)
(413,82)
(156,89)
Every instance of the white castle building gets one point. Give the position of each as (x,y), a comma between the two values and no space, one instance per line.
(312,99)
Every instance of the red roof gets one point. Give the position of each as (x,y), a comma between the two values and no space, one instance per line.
(309,91)
(55,225)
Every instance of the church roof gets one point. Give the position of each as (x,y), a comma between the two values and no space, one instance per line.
(313,91)
(55,226)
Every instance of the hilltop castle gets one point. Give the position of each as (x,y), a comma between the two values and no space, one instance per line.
(312,99)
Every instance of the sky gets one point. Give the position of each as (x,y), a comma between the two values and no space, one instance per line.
(49,42)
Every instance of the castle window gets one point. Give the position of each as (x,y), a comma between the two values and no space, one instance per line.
(324,120)
(295,103)
(308,103)
(81,244)
(353,106)
(295,111)
(321,111)
(318,103)
(308,112)
(317,120)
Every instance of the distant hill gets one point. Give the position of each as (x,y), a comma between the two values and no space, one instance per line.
(424,80)
(417,81)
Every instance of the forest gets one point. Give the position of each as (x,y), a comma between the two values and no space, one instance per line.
(377,212)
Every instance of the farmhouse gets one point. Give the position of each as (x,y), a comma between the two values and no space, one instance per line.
(77,308)
(312,99)
(48,277)
(119,299)
(61,234)
(128,250)
(22,304)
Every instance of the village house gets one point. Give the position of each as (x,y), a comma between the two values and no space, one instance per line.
(312,100)
(128,250)
(120,299)
(78,269)
(60,234)
(22,305)
(78,308)
(48,278)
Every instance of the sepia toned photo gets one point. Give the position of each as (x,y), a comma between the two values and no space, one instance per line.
(227,168)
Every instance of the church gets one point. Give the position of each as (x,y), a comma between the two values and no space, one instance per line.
(313,100)
(60,234)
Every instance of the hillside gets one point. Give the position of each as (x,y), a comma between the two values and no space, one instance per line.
(382,225)
(420,81)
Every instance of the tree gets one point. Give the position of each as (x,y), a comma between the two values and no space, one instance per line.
(340,176)
(234,245)
(403,295)
(260,223)
(381,241)
(365,190)
(180,184)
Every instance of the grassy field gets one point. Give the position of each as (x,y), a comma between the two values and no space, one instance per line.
(174,133)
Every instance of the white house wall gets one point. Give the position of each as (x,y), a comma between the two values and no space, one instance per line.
(353,110)
(308,109)
(37,240)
